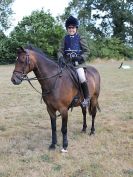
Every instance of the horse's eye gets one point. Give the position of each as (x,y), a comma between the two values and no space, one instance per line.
(21,61)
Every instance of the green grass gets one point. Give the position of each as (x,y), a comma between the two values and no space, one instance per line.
(25,131)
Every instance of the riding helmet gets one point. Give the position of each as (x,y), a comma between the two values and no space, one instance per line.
(71,21)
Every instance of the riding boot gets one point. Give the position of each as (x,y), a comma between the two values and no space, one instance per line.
(85,90)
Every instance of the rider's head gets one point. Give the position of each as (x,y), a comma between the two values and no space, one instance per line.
(71,25)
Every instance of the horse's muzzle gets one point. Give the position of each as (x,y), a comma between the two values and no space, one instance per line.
(16,79)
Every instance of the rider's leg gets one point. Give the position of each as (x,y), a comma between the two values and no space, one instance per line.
(84,86)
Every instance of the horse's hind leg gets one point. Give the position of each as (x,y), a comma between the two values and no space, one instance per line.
(84,119)
(93,111)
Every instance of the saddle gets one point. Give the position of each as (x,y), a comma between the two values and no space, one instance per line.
(75,79)
(73,75)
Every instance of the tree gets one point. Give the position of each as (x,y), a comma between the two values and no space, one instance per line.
(104,17)
(5,14)
(39,29)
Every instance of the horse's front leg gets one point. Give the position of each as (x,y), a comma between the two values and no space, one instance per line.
(54,136)
(64,115)
(53,127)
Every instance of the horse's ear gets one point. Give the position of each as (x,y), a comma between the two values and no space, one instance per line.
(20,49)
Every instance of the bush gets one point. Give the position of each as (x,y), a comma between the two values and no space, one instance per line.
(110,48)
(39,29)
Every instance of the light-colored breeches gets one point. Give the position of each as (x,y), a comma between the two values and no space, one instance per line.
(81,74)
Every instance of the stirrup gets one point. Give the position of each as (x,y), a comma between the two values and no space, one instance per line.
(86,102)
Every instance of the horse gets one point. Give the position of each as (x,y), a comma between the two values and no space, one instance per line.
(58,88)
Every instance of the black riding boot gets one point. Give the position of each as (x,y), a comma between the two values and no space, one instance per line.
(85,89)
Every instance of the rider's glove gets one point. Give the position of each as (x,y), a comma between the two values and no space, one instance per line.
(61,62)
(79,59)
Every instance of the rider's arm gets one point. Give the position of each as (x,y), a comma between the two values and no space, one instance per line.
(60,52)
(85,48)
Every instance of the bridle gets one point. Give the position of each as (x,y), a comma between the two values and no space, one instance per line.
(25,64)
(24,76)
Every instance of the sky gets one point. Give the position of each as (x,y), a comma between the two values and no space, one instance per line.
(23,8)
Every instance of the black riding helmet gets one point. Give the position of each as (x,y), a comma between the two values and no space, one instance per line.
(72,21)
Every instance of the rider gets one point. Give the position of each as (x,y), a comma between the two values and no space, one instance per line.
(74,48)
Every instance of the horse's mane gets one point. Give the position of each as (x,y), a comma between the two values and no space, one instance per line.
(35,49)
(39,51)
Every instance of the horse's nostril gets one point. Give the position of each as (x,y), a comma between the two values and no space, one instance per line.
(16,81)
(13,81)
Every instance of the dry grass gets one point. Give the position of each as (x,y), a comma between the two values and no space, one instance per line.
(25,132)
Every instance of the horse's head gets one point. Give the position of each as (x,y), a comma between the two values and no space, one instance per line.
(23,66)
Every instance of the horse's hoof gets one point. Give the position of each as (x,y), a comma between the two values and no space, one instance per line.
(64,150)
(92,133)
(83,130)
(52,147)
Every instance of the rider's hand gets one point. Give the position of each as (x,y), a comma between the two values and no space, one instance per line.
(61,62)
(79,59)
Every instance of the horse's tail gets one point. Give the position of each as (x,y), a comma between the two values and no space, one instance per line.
(98,107)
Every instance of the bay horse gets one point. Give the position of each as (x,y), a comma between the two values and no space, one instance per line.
(58,89)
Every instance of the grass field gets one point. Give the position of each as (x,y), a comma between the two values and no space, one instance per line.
(25,132)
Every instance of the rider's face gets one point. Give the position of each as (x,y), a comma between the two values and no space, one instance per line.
(71,30)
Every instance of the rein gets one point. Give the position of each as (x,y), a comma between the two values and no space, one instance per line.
(44,92)
(42,78)
(26,78)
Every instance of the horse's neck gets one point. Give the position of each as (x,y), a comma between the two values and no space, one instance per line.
(45,68)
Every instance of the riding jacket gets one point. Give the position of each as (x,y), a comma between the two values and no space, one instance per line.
(72,43)
(72,47)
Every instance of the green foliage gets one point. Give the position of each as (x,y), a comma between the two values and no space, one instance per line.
(5,14)
(107,25)
(104,18)
(43,31)
(7,51)
(106,47)
(39,29)
(110,48)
